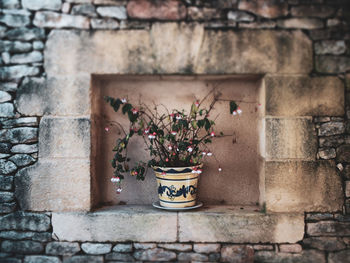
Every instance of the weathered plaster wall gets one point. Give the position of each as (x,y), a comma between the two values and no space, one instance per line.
(314,92)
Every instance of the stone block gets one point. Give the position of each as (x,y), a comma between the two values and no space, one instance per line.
(332,47)
(118,12)
(7,167)
(123,223)
(304,96)
(206,248)
(6,197)
(331,128)
(34,97)
(324,243)
(318,216)
(18,71)
(290,248)
(26,58)
(84,259)
(124,248)
(347,188)
(337,257)
(15,20)
(155,254)
(306,256)
(22,247)
(107,23)
(237,254)
(263,247)
(14,46)
(7,207)
(22,159)
(120,257)
(165,10)
(328,228)
(290,138)
(268,9)
(54,185)
(7,110)
(25,221)
(5,147)
(17,235)
(300,23)
(6,182)
(302,186)
(25,148)
(313,10)
(21,135)
(20,122)
(84,9)
(204,13)
(144,245)
(199,51)
(8,4)
(343,153)
(41,259)
(176,247)
(4,97)
(25,34)
(332,64)
(62,248)
(49,19)
(240,16)
(96,248)
(326,153)
(42,4)
(58,136)
(226,224)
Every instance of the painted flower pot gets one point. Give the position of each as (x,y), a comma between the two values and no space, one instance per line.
(177,186)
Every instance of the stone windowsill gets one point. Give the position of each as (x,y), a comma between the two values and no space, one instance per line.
(207,224)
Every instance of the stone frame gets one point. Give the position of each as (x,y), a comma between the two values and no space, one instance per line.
(283,58)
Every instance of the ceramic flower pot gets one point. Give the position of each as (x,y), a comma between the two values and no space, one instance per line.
(177,186)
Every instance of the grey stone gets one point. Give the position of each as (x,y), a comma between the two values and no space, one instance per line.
(18,71)
(8,4)
(214,257)
(306,256)
(8,86)
(333,47)
(5,57)
(42,4)
(118,12)
(79,1)
(343,153)
(16,235)
(84,259)
(206,248)
(86,226)
(124,257)
(85,9)
(203,13)
(25,221)
(331,141)
(302,23)
(5,147)
(15,20)
(106,23)
(155,254)
(176,246)
(41,259)
(318,216)
(237,253)
(21,135)
(4,96)
(240,16)
(22,247)
(22,12)
(331,128)
(14,46)
(32,57)
(22,159)
(66,8)
(324,243)
(62,248)
(337,257)
(20,122)
(190,256)
(8,259)
(25,34)
(24,148)
(313,11)
(96,248)
(6,197)
(144,245)
(328,228)
(38,45)
(7,207)
(6,110)
(6,182)
(7,167)
(122,248)
(4,155)
(333,22)
(56,20)
(332,64)
(326,153)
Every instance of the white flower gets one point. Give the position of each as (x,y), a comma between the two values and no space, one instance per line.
(197,103)
(212,134)
(178,117)
(134,111)
(239,111)
(115,180)
(174,133)
(151,137)
(199,171)
(124,100)
(340,167)
(170,147)
(189,149)
(234,112)
(220,169)
(209,154)
(146,131)
(204,153)
(119,190)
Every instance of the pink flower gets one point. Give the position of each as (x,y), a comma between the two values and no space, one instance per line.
(167,159)
(212,134)
(197,103)
(239,111)
(134,111)
(173,133)
(106,129)
(163,173)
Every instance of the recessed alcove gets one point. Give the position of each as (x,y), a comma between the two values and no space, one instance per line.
(238,153)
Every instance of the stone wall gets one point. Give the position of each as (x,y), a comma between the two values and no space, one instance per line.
(24,28)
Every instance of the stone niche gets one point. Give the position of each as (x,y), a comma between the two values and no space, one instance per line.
(237,184)
(288,180)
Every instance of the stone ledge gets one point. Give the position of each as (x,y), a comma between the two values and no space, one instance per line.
(146,224)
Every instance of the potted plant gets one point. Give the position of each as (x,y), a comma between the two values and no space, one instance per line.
(177,142)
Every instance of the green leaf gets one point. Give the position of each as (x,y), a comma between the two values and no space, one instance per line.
(201,123)
(115,103)
(194,124)
(194,110)
(233,106)
(207,124)
(132,117)
(126,108)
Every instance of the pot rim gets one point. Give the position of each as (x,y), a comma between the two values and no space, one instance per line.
(178,167)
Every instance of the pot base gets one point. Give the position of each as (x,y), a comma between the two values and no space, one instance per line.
(157,205)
